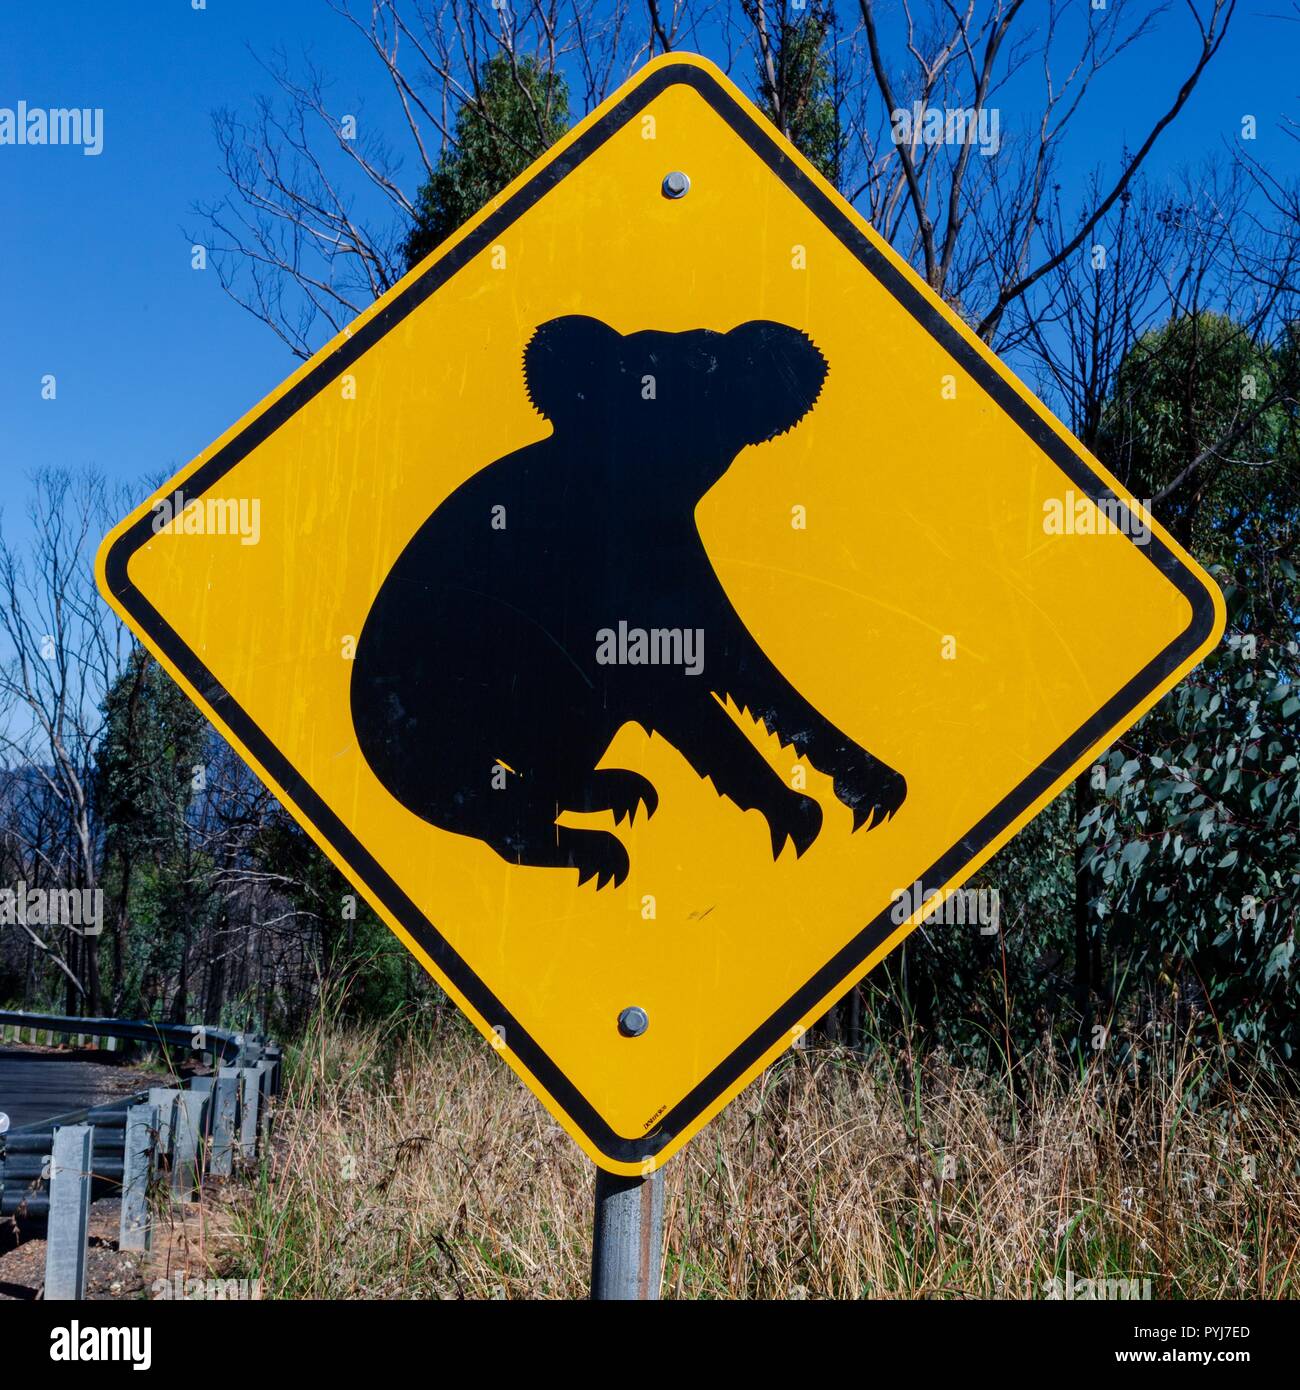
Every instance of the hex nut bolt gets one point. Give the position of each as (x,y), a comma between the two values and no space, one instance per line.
(676,184)
(633,1021)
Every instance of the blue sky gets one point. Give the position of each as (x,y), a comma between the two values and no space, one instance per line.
(152,360)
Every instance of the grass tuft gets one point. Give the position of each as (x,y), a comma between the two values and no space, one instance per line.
(410,1163)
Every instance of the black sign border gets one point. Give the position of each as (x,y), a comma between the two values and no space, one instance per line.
(362,864)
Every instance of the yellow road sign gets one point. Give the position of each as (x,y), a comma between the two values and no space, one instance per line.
(653,598)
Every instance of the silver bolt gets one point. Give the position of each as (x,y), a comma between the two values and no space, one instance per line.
(676,184)
(633,1021)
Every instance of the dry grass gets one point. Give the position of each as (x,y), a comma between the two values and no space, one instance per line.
(416,1166)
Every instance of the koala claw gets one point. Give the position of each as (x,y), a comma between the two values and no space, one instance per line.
(799,819)
(633,792)
(601,856)
(883,793)
(618,791)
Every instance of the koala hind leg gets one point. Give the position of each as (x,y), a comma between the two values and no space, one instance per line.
(703,733)
(870,788)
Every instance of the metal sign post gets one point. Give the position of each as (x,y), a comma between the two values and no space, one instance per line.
(627,1237)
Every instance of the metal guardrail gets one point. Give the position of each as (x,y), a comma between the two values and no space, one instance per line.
(54,1169)
(235,1049)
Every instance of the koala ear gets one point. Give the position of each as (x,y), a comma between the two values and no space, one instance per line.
(777,373)
(565,364)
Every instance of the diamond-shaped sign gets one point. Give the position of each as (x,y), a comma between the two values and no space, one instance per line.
(653,599)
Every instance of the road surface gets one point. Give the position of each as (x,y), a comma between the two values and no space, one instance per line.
(36,1085)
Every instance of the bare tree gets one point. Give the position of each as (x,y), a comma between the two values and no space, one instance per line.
(64,648)
(973,224)
(321,198)
(1203,244)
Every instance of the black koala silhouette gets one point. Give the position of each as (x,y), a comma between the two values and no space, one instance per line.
(479,695)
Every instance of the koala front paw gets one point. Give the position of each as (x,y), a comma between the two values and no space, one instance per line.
(597,854)
(796,817)
(873,792)
(626,792)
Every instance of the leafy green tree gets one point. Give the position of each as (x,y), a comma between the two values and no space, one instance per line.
(985,993)
(519,110)
(153,740)
(1203,422)
(797,79)
(1189,854)
(1194,851)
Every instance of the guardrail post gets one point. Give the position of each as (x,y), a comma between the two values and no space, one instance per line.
(248,1109)
(135,1230)
(225,1095)
(165,1099)
(265,1080)
(69,1218)
(187,1137)
(203,1085)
